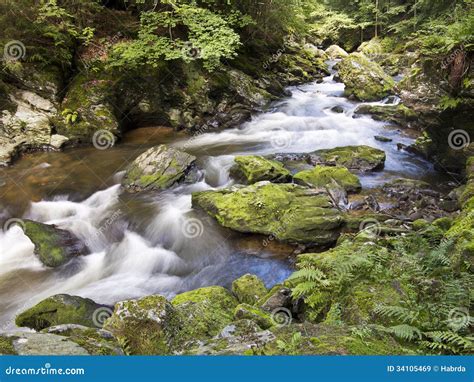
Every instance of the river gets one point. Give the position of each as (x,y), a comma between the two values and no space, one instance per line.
(154,243)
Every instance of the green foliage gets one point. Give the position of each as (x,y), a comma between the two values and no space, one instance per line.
(291,347)
(434,295)
(70,116)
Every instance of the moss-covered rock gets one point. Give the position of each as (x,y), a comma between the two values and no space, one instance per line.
(88,108)
(364,79)
(249,289)
(148,326)
(205,311)
(252,168)
(399,114)
(336,52)
(286,211)
(6,346)
(95,341)
(53,246)
(157,169)
(355,158)
(60,309)
(249,312)
(323,176)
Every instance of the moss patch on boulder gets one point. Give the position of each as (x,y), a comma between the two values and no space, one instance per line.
(324,176)
(248,312)
(158,169)
(286,211)
(205,311)
(60,309)
(249,289)
(355,158)
(399,114)
(53,246)
(364,79)
(148,326)
(252,168)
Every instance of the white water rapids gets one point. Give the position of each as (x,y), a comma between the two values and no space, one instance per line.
(160,245)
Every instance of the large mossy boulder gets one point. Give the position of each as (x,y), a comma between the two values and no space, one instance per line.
(399,114)
(252,169)
(87,109)
(288,212)
(324,176)
(148,326)
(158,169)
(364,79)
(354,158)
(53,246)
(336,52)
(249,289)
(61,309)
(205,311)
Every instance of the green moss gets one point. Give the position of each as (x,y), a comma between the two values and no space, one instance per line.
(399,114)
(6,346)
(322,176)
(248,312)
(287,212)
(57,310)
(92,340)
(420,224)
(205,312)
(364,79)
(363,158)
(323,339)
(252,168)
(53,246)
(158,169)
(249,289)
(148,326)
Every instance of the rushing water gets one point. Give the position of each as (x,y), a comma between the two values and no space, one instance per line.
(154,242)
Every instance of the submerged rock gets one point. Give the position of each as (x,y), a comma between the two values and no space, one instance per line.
(286,211)
(53,246)
(61,309)
(249,289)
(252,168)
(158,169)
(323,176)
(364,79)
